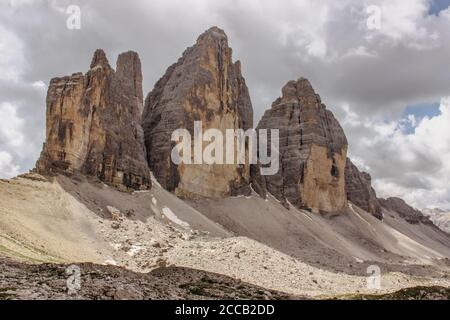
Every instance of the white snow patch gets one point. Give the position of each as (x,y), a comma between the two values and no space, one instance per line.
(154,201)
(141,191)
(172,217)
(360,217)
(110,262)
(154,181)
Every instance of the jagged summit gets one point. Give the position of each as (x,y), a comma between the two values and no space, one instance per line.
(313,151)
(213,33)
(99,59)
(297,90)
(204,85)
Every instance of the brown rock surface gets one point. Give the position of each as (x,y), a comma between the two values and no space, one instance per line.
(405,211)
(313,151)
(204,85)
(359,190)
(93,123)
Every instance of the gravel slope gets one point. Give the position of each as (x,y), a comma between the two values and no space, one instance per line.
(74,220)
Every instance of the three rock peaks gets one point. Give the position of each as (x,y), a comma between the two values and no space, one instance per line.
(97,125)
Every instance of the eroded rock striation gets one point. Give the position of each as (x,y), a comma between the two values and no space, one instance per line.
(313,151)
(359,190)
(93,123)
(204,85)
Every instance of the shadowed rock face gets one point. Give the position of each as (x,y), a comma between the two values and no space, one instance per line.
(313,151)
(93,123)
(405,211)
(204,85)
(359,190)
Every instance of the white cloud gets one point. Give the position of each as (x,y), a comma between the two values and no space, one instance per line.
(361,51)
(401,18)
(7,167)
(414,166)
(40,85)
(12,60)
(21,3)
(11,127)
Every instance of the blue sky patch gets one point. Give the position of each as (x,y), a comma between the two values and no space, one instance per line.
(437,6)
(419,111)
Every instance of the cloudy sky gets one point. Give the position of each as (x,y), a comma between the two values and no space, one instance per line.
(387,83)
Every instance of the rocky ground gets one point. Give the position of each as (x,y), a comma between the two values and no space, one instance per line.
(72,221)
(97,282)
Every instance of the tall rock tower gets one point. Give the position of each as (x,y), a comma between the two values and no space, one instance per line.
(93,123)
(313,151)
(204,85)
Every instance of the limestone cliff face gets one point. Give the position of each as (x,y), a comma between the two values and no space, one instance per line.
(313,151)
(204,85)
(93,123)
(359,190)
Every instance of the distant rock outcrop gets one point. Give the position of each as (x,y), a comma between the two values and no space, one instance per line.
(93,123)
(405,211)
(359,190)
(204,85)
(313,151)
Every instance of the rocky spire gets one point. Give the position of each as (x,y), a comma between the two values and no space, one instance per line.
(204,85)
(130,72)
(99,59)
(313,151)
(93,124)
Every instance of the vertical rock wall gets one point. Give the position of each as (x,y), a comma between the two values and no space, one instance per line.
(93,123)
(204,85)
(313,151)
